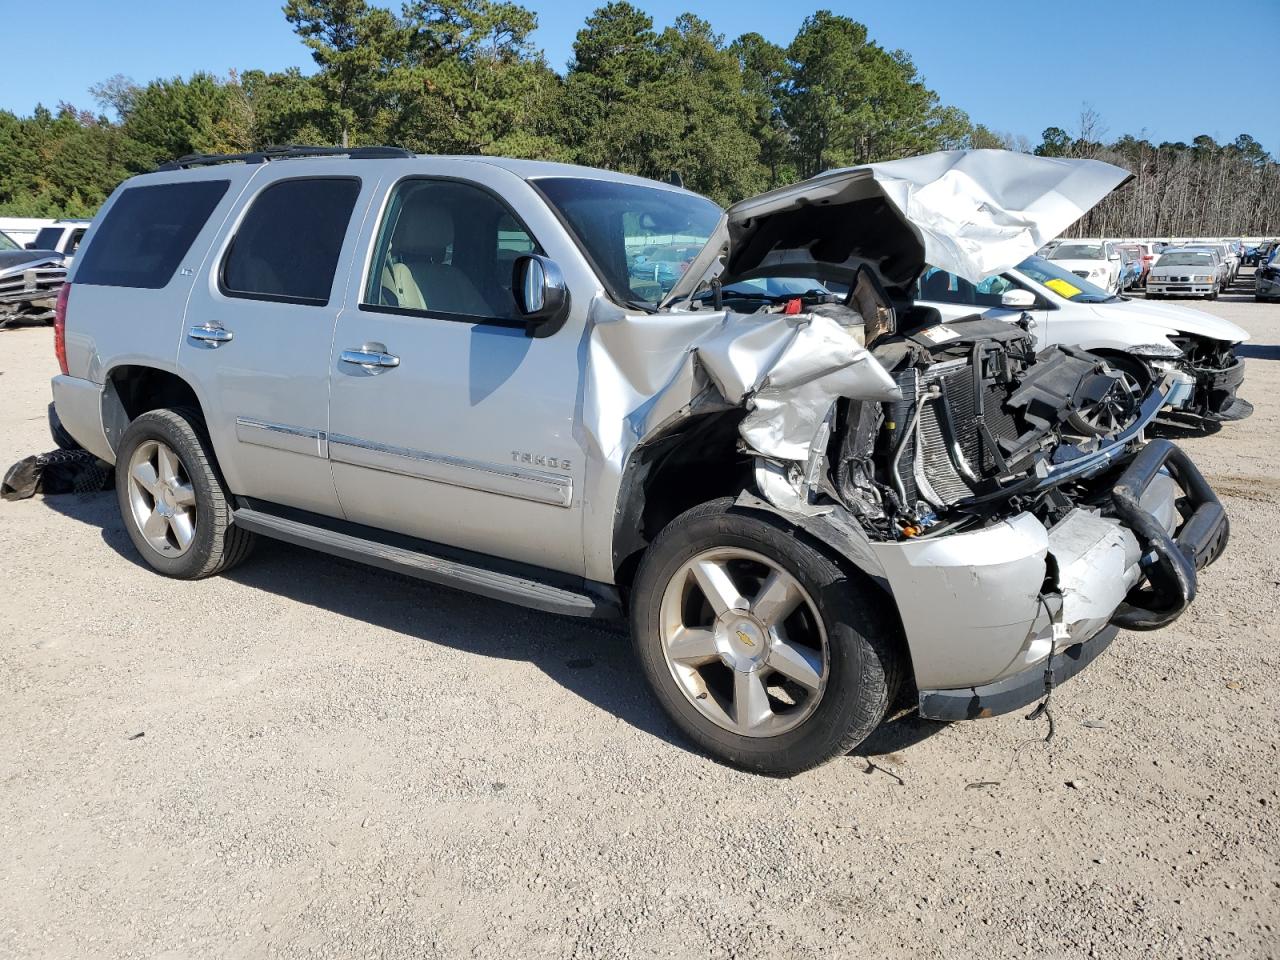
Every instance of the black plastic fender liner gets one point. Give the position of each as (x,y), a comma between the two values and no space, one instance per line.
(1171,563)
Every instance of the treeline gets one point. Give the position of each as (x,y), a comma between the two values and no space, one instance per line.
(1203,188)
(731,118)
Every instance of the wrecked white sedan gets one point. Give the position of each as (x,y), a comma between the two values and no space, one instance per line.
(601,396)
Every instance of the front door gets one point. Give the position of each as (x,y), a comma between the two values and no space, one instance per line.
(447,422)
(259,328)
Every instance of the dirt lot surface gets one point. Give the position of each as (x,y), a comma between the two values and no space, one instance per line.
(308,758)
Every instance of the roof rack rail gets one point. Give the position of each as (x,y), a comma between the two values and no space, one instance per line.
(285,153)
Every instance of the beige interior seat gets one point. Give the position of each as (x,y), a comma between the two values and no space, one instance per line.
(420,272)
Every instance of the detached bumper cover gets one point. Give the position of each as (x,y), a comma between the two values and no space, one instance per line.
(1012,693)
(1136,572)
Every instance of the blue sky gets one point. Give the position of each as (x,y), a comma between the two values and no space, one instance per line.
(1170,68)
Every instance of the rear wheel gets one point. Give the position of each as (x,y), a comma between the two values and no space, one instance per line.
(758,646)
(174,505)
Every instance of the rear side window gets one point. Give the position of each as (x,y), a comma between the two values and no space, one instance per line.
(47,238)
(288,244)
(147,232)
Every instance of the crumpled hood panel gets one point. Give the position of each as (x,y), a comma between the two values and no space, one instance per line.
(981,212)
(975,213)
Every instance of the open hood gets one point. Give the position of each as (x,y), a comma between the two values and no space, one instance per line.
(974,213)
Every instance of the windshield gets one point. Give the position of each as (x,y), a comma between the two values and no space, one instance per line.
(7,243)
(1077,251)
(639,239)
(1063,282)
(1185,260)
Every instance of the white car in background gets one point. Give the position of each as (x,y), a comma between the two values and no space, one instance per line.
(1187,272)
(1145,341)
(1097,261)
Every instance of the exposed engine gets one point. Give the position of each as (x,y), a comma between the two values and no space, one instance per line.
(983,417)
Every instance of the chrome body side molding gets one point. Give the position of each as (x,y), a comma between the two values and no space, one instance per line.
(535,485)
(281,436)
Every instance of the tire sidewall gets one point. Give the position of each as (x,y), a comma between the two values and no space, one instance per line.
(856,695)
(180,435)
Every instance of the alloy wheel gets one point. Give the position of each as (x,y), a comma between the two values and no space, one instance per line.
(744,642)
(162,498)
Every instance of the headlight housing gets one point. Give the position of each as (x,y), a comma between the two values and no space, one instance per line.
(1202,279)
(1166,350)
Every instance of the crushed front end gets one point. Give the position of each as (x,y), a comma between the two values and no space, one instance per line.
(1015,511)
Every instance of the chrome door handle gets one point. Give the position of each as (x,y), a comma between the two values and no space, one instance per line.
(210,333)
(367,357)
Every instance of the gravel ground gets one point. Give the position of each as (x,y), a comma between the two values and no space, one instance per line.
(308,758)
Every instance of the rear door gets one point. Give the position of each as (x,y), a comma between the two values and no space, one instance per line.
(260,323)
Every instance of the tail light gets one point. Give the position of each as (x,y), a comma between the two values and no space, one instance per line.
(60,327)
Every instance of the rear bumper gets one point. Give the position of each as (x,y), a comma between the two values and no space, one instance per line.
(79,406)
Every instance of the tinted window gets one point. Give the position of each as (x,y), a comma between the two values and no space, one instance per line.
(447,249)
(288,243)
(942,287)
(147,232)
(47,238)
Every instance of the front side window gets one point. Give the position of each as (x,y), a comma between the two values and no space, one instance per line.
(287,246)
(446,249)
(147,232)
(639,239)
(47,238)
(942,287)
(74,243)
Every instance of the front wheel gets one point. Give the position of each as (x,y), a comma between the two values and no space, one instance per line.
(760,648)
(174,505)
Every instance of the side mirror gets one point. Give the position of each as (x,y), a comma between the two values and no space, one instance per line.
(1018,299)
(540,293)
(1114,256)
(29,246)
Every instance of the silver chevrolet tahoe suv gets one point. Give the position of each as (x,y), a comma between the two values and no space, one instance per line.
(602,396)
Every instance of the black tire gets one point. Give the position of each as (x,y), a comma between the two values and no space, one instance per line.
(218,544)
(865,648)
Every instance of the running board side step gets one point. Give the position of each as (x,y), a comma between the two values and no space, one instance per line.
(496,585)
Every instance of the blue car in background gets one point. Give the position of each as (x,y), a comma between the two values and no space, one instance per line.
(1130,268)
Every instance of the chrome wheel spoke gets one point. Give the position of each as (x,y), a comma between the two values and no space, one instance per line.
(778,598)
(693,646)
(183,529)
(796,663)
(717,586)
(144,474)
(155,527)
(750,701)
(184,495)
(166,464)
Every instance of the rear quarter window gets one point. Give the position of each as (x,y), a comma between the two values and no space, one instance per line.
(147,232)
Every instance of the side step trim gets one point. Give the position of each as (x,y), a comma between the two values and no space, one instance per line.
(496,585)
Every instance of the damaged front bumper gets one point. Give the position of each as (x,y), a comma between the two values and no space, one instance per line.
(994,616)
